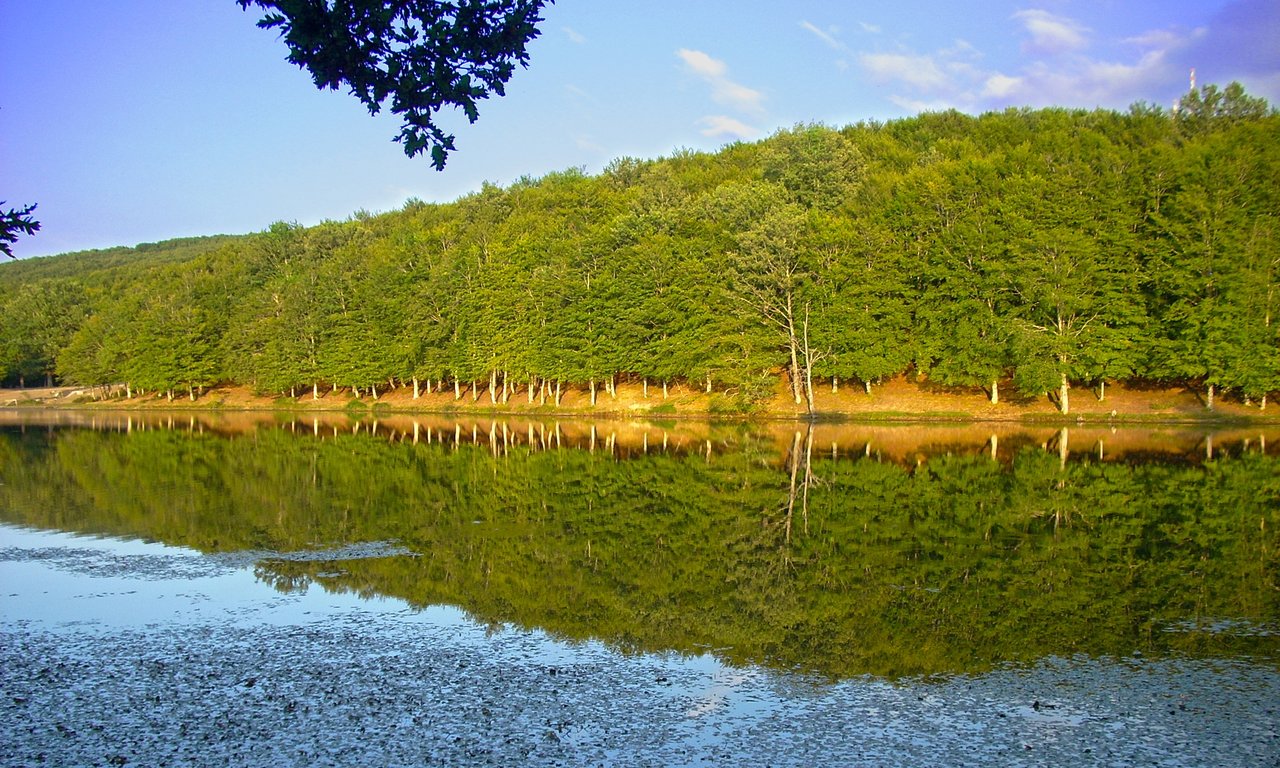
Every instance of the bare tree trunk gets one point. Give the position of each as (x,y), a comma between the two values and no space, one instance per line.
(1102,390)
(709,385)
(315,390)
(1064,402)
(530,390)
(866,385)
(835,385)
(373,390)
(664,389)
(457,390)
(475,391)
(1209,398)
(808,365)
(191,392)
(995,391)
(415,388)
(644,387)
(493,387)
(559,393)
(591,383)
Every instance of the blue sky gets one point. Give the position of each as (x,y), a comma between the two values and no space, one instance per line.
(140,120)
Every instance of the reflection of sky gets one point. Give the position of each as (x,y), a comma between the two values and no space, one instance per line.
(61,578)
(97,598)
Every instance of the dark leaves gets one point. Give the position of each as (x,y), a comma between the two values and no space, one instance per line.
(419,55)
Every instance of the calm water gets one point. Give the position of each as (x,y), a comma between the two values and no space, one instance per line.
(249,590)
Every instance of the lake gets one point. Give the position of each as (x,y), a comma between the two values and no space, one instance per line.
(231,588)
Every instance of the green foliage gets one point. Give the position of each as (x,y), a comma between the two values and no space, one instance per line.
(1051,246)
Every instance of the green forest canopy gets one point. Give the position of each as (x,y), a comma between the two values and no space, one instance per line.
(1045,246)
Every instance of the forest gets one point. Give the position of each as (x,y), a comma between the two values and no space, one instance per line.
(1035,248)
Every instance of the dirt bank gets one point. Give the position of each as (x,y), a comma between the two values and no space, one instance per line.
(896,399)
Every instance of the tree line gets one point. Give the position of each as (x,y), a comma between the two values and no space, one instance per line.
(1038,248)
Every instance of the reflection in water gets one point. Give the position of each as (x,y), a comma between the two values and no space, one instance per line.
(841,549)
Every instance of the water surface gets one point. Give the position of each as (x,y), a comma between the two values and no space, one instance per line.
(306,591)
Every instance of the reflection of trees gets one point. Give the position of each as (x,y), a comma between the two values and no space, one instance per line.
(860,564)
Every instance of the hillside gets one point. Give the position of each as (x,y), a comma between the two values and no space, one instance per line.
(1026,254)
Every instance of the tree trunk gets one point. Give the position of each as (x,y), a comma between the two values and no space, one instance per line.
(591,383)
(128,390)
(530,390)
(1064,403)
(457,390)
(664,389)
(1102,390)
(475,391)
(493,387)
(709,385)
(808,365)
(644,387)
(835,385)
(995,391)
(1209,398)
(506,388)
(373,390)
(415,388)
(559,393)
(1263,404)
(169,394)
(315,390)
(292,392)
(191,393)
(866,384)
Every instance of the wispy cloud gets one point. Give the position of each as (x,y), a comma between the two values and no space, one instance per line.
(919,72)
(574,35)
(1059,66)
(1051,34)
(723,90)
(824,36)
(722,125)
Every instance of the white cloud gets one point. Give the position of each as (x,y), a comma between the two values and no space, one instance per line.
(723,90)
(824,36)
(1000,86)
(869,28)
(574,35)
(1051,34)
(919,72)
(721,125)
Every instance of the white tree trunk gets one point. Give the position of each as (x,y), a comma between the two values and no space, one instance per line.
(1064,402)
(415,388)
(995,391)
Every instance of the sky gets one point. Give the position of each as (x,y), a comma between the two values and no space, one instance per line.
(135,121)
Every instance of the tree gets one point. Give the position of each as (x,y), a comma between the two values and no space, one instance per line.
(14,222)
(420,55)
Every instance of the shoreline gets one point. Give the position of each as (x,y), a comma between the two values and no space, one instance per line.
(896,401)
